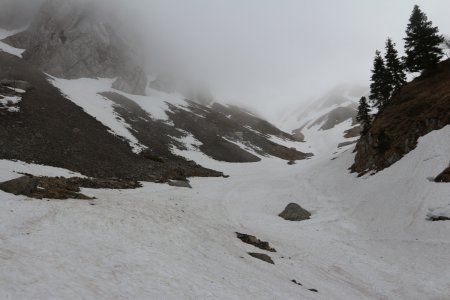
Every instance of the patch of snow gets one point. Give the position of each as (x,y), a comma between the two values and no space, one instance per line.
(7,48)
(17,90)
(189,141)
(156,103)
(10,102)
(439,212)
(10,169)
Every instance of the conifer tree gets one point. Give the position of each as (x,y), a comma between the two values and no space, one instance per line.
(394,66)
(363,116)
(380,88)
(422,43)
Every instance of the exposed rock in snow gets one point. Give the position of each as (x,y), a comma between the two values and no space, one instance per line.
(262,256)
(24,185)
(444,176)
(294,212)
(253,240)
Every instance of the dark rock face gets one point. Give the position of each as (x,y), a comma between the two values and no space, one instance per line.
(71,39)
(252,240)
(262,256)
(444,176)
(294,212)
(24,185)
(438,218)
(217,127)
(417,109)
(336,116)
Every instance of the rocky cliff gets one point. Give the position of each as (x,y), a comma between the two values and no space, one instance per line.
(70,39)
(417,109)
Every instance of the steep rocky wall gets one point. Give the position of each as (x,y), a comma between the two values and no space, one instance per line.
(418,108)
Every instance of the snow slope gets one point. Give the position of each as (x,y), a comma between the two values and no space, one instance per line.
(7,48)
(368,237)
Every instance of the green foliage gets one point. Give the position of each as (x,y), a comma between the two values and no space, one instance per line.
(363,116)
(380,88)
(422,43)
(394,66)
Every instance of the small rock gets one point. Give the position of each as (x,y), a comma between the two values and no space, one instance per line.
(179,183)
(262,256)
(294,212)
(438,218)
(291,162)
(295,281)
(253,240)
(313,290)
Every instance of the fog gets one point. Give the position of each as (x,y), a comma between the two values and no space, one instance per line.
(270,55)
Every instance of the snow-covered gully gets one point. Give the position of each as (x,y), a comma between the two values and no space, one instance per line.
(368,237)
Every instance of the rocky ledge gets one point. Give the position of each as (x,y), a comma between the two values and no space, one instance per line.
(417,109)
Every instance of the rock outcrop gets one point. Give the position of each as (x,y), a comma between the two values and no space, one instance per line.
(61,188)
(262,256)
(24,185)
(70,39)
(294,212)
(253,240)
(444,176)
(220,127)
(419,107)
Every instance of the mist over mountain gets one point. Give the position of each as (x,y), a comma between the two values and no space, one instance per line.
(267,57)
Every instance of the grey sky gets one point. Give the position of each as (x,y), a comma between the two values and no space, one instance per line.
(271,54)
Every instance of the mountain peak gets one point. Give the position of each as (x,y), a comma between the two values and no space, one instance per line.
(74,39)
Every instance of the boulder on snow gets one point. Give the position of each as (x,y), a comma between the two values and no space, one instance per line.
(294,212)
(179,183)
(24,185)
(253,240)
(262,256)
